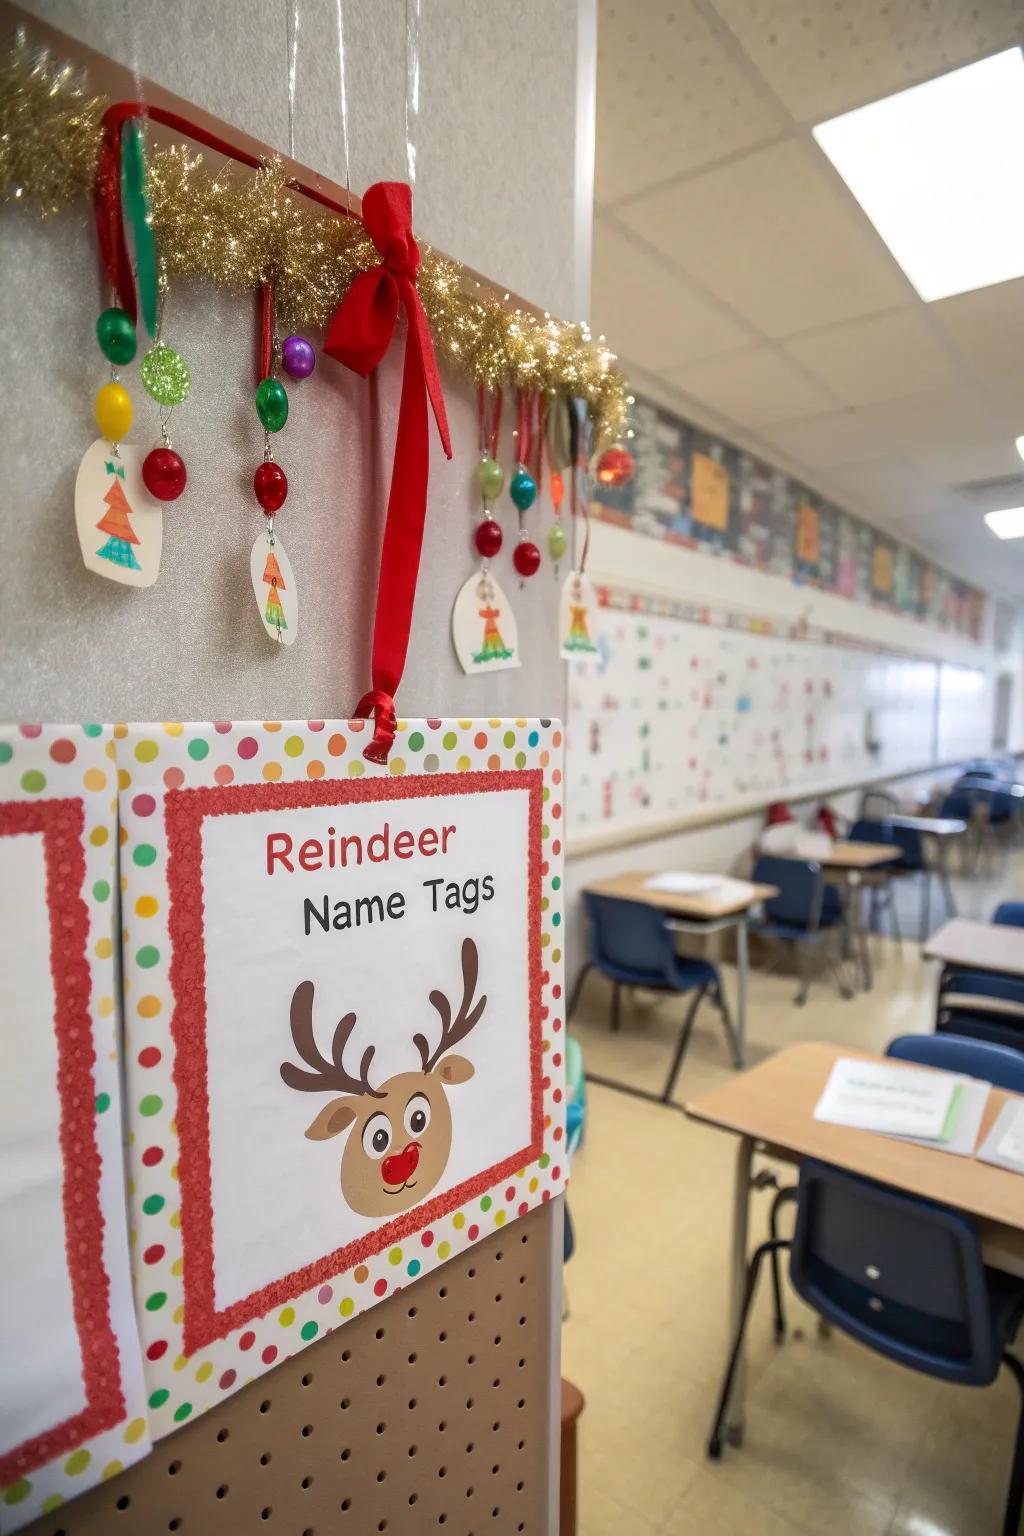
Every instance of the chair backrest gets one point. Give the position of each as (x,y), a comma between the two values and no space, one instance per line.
(1009,913)
(1009,989)
(995,1064)
(910,841)
(901,1274)
(864,831)
(878,800)
(801,888)
(958,806)
(627,936)
(996,1028)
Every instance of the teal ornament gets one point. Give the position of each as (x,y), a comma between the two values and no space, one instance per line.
(136,211)
(491,477)
(116,336)
(165,376)
(556,541)
(523,489)
(272,404)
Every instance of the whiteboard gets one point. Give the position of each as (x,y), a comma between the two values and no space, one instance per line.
(674,718)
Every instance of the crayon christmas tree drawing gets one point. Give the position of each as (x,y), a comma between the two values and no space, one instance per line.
(493,647)
(116,523)
(578,637)
(273,612)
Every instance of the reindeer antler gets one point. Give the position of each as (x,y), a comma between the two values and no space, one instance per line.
(326,1075)
(454,1030)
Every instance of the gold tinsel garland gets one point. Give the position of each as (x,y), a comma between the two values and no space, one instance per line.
(238,228)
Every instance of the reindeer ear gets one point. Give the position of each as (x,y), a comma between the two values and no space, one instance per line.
(334,1118)
(454,1069)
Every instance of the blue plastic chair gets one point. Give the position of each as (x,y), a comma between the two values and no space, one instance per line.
(632,945)
(995,1064)
(1010,914)
(903,1276)
(798,915)
(997,1028)
(877,881)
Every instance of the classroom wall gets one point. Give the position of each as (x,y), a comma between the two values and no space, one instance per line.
(190,648)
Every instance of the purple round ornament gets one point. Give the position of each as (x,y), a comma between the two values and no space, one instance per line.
(298,357)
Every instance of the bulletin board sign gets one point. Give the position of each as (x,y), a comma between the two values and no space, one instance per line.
(72,1405)
(343,989)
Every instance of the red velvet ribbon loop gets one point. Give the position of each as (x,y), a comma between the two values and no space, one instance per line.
(359,335)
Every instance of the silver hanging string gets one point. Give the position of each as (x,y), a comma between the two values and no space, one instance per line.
(412,85)
(342,95)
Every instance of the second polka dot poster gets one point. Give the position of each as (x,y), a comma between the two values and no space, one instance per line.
(344,1017)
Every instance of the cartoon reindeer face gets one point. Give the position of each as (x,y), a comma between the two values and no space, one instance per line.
(400,1134)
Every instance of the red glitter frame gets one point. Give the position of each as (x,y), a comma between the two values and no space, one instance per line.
(184,813)
(62,825)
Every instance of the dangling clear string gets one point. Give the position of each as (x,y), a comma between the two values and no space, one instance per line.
(292,15)
(412,85)
(342,96)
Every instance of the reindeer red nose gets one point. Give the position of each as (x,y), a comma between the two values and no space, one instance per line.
(399,1168)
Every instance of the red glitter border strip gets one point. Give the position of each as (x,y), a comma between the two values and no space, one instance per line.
(62,825)
(184,812)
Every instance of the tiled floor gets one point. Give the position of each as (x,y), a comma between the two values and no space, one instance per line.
(838,1442)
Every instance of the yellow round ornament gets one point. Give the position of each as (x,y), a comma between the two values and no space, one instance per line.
(113,412)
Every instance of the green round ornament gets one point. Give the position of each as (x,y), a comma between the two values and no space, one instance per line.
(491,477)
(165,376)
(116,336)
(556,541)
(272,404)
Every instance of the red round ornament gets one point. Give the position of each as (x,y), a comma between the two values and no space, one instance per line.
(488,538)
(271,486)
(615,467)
(526,557)
(163,474)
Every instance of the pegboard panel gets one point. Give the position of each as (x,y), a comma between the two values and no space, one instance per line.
(432,1410)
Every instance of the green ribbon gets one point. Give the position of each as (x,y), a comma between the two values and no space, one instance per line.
(136,211)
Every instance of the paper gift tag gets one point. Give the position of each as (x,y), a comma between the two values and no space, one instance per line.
(483,626)
(120,526)
(72,1403)
(347,1022)
(273,582)
(577,614)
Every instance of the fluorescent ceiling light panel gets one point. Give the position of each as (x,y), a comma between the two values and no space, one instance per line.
(939,170)
(1020,446)
(1007,524)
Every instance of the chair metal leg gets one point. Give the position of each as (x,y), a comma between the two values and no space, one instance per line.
(1015,1491)
(681,1044)
(894,913)
(577,989)
(778,1310)
(616,1005)
(754,1269)
(805,980)
(926,905)
(731,1036)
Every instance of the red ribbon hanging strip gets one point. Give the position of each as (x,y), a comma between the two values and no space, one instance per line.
(359,335)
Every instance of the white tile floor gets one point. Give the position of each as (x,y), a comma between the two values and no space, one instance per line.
(839,1442)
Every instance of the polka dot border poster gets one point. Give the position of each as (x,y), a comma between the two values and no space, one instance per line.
(72,1398)
(344,1020)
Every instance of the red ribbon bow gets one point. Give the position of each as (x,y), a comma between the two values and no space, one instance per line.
(358,336)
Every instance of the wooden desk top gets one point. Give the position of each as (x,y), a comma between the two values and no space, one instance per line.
(774,1103)
(978,946)
(932,826)
(844,855)
(704,906)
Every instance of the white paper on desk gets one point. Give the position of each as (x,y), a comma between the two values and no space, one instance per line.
(898,1101)
(965,1133)
(680,883)
(1004,1144)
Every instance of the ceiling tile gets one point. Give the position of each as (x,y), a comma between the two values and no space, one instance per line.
(878,358)
(821,60)
(841,437)
(753,388)
(987,325)
(670,97)
(892,492)
(651,316)
(950,434)
(774,236)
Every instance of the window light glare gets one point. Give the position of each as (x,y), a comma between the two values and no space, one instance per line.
(938,169)
(1020,446)
(1007,524)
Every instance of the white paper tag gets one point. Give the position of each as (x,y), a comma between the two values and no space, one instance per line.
(120,526)
(484,627)
(273,583)
(577,610)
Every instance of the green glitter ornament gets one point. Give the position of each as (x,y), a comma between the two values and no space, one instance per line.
(165,375)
